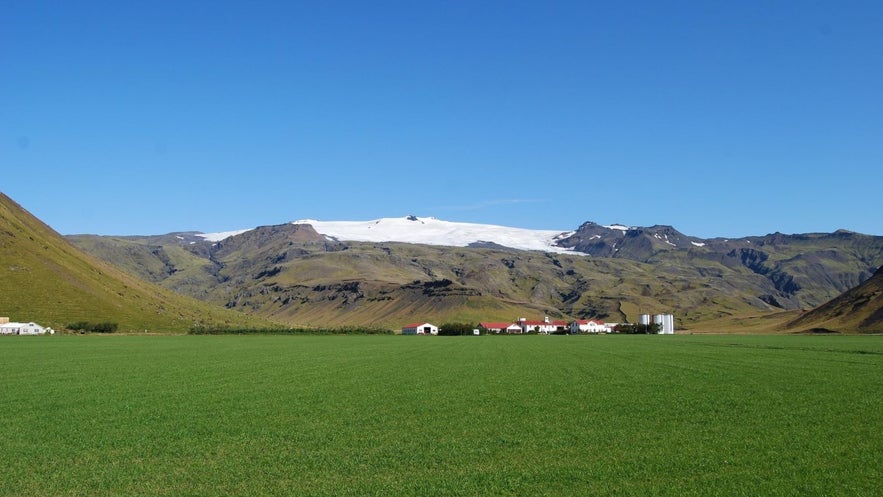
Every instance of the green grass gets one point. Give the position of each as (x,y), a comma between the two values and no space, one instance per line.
(392,415)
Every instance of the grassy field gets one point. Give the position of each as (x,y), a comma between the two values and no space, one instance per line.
(391,415)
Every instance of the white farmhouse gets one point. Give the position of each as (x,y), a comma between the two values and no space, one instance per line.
(589,326)
(23,329)
(420,329)
(546,326)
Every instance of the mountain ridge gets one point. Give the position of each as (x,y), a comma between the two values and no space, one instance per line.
(296,273)
(412,229)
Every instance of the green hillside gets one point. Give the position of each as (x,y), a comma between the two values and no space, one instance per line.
(857,310)
(43,278)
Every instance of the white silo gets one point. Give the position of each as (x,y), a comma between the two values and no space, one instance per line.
(666,323)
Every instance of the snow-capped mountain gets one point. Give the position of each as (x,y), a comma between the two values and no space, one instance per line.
(342,272)
(429,231)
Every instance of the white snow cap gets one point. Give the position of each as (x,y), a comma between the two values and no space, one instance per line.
(618,227)
(432,231)
(217,237)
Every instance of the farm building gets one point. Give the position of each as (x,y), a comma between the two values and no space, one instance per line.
(13,328)
(420,329)
(589,326)
(545,326)
(507,327)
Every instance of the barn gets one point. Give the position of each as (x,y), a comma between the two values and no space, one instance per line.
(420,329)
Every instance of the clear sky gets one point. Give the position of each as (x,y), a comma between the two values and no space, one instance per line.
(721,118)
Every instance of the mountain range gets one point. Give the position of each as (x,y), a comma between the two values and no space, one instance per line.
(390,271)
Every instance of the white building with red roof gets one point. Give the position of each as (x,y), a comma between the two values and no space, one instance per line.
(545,326)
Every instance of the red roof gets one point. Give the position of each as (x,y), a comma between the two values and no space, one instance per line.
(496,326)
(415,325)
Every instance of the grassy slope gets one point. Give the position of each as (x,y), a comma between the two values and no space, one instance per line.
(857,310)
(605,415)
(44,278)
(744,323)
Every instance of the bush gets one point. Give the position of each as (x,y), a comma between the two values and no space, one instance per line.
(451,329)
(345,330)
(637,329)
(87,327)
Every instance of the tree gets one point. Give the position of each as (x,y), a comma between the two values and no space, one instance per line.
(637,329)
(450,329)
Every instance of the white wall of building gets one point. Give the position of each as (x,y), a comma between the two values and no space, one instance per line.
(22,329)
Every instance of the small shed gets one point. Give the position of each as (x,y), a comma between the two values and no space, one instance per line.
(420,329)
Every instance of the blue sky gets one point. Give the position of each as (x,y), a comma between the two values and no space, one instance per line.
(719,118)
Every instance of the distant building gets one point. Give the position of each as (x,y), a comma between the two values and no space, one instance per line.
(589,326)
(420,329)
(501,327)
(545,326)
(12,328)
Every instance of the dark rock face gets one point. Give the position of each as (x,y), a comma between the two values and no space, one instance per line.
(752,259)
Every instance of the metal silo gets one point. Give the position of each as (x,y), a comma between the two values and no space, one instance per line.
(666,323)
